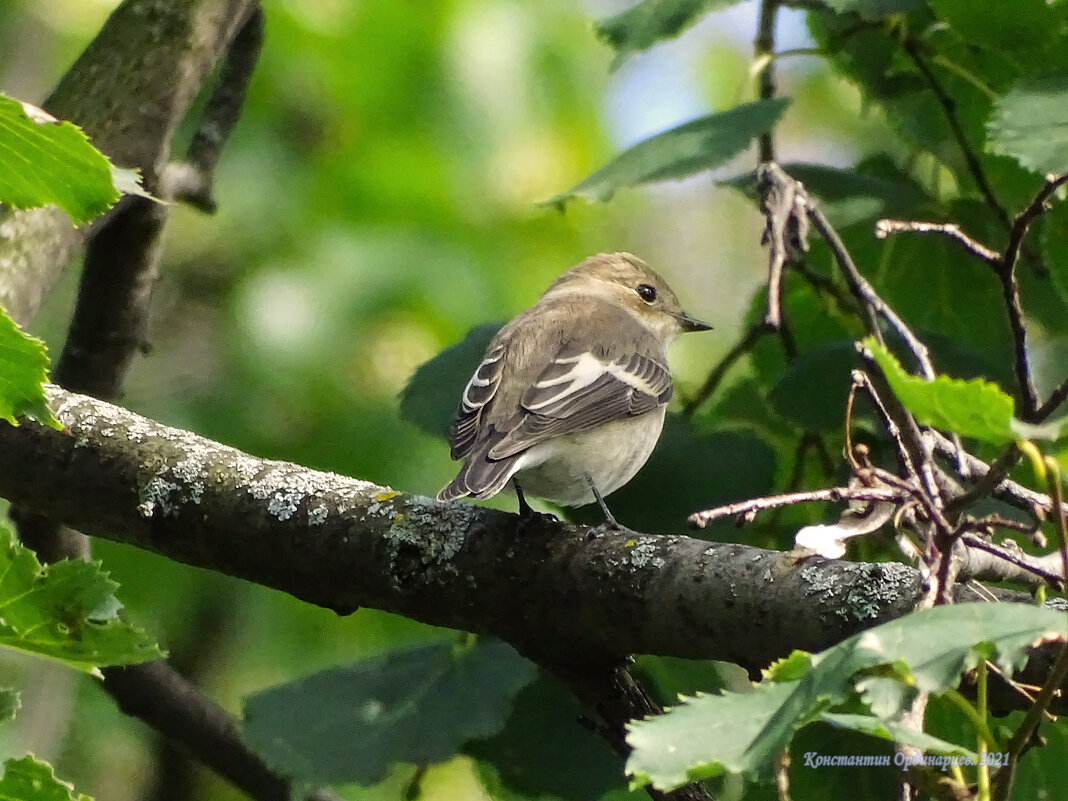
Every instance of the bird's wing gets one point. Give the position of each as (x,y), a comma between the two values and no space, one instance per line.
(581,389)
(478,392)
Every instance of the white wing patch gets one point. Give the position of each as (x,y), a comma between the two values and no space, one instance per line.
(584,369)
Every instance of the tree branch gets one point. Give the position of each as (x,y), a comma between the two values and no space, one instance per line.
(341,543)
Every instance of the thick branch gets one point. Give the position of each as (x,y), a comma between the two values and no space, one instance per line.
(342,543)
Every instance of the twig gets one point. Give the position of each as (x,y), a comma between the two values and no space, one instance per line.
(949,109)
(1006,271)
(1023,222)
(753,335)
(1026,566)
(1008,490)
(220,116)
(764,52)
(1022,737)
(989,481)
(795,202)
(832,495)
(1056,398)
(884,228)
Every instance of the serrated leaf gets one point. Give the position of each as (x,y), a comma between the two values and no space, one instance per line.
(27,779)
(700,144)
(743,733)
(974,408)
(350,724)
(1030,124)
(23,370)
(643,25)
(43,160)
(66,611)
(433,393)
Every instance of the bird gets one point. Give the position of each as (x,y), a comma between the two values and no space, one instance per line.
(571,394)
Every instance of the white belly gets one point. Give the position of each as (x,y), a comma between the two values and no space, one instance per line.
(610,455)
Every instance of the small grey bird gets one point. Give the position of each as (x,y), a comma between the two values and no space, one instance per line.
(570,397)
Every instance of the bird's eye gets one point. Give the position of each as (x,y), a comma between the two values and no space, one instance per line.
(646,292)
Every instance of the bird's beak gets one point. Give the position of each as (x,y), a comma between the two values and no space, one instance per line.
(689,323)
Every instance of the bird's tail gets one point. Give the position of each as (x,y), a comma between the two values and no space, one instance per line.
(480,477)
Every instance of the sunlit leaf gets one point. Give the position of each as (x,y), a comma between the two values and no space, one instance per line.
(66,611)
(1030,123)
(974,408)
(743,733)
(889,730)
(43,160)
(27,779)
(697,145)
(420,705)
(23,369)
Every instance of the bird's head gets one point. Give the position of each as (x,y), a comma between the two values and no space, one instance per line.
(627,281)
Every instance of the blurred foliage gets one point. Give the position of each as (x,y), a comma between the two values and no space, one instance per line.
(380,200)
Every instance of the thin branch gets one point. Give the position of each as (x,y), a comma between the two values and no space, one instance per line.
(988,481)
(793,203)
(1027,568)
(1022,223)
(1056,398)
(884,228)
(764,52)
(949,108)
(750,508)
(220,116)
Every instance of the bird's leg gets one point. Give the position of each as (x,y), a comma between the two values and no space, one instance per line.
(526,513)
(609,519)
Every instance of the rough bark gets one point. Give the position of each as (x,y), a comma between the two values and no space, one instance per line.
(342,543)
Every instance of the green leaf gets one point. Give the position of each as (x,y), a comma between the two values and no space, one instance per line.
(743,733)
(705,736)
(23,369)
(643,25)
(1030,124)
(1022,25)
(43,160)
(66,611)
(974,408)
(813,389)
(27,779)
(544,750)
(349,724)
(433,392)
(697,145)
(873,9)
(889,730)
